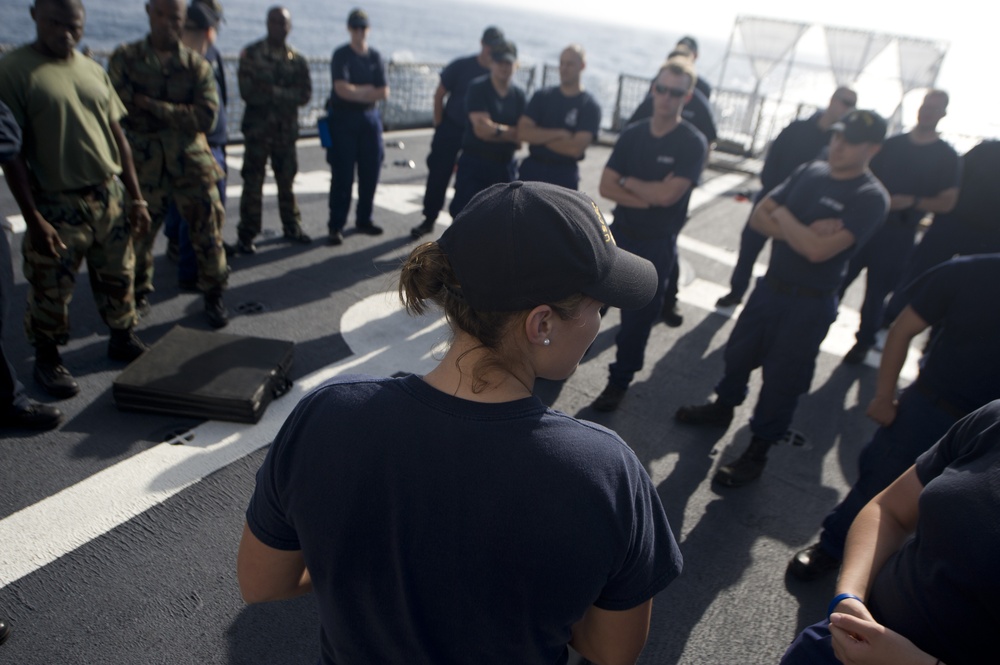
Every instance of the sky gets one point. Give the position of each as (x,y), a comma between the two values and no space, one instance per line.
(966,25)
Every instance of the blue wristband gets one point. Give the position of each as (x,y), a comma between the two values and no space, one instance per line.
(838,599)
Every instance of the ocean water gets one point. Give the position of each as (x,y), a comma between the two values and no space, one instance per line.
(432,31)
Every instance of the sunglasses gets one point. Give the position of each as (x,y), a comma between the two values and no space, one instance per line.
(676,93)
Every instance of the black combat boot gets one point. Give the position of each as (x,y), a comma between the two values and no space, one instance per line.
(748,467)
(124,346)
(215,309)
(50,373)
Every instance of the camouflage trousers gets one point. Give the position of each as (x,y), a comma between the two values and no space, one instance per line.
(285,163)
(93,226)
(205,215)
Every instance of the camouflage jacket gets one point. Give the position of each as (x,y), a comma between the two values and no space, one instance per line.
(170,135)
(274,83)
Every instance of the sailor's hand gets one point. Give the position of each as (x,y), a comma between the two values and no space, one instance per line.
(44,238)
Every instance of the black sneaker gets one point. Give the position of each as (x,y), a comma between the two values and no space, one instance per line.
(672,315)
(857,354)
(335,238)
(51,375)
(4,631)
(124,346)
(610,398)
(419,231)
(728,300)
(748,467)
(35,416)
(812,563)
(370,229)
(713,413)
(215,310)
(297,236)
(246,246)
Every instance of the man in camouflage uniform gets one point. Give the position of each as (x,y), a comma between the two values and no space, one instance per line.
(66,183)
(170,94)
(274,83)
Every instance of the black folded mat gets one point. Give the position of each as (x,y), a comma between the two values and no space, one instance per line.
(206,375)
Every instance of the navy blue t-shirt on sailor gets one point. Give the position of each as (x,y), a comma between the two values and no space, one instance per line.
(799,143)
(639,154)
(810,194)
(455,78)
(347,65)
(551,109)
(961,299)
(905,167)
(506,110)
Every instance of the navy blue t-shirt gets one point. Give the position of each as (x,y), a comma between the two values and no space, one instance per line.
(639,154)
(551,109)
(506,110)
(218,135)
(798,143)
(697,111)
(978,195)
(810,194)
(961,299)
(919,170)
(443,531)
(940,589)
(347,65)
(456,78)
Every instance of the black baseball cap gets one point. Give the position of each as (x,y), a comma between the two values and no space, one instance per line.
(201,16)
(861,127)
(522,244)
(492,36)
(358,18)
(690,42)
(504,51)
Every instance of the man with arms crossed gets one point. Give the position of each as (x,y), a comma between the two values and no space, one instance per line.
(558,125)
(650,175)
(819,218)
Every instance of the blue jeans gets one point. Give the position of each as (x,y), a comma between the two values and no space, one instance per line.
(893,449)
(780,333)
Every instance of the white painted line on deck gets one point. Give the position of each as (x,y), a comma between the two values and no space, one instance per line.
(384,339)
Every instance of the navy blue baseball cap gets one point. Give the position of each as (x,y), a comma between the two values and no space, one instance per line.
(358,18)
(492,36)
(861,127)
(504,51)
(522,244)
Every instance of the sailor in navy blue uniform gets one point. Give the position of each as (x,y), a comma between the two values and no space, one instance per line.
(958,374)
(449,124)
(800,142)
(819,217)
(494,105)
(559,124)
(650,173)
(359,84)
(921,172)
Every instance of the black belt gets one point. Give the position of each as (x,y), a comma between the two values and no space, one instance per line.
(789,289)
(940,403)
(490,157)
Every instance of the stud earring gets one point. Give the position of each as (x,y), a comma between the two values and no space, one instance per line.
(546,341)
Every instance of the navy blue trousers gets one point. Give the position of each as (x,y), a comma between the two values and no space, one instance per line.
(565,175)
(893,449)
(175,227)
(751,245)
(781,334)
(445,146)
(475,174)
(813,646)
(11,390)
(636,324)
(885,256)
(356,139)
